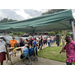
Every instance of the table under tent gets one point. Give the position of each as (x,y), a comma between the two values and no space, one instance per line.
(57,21)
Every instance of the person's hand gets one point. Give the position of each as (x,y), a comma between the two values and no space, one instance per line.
(60,52)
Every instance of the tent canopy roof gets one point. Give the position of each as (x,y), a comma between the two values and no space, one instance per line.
(48,22)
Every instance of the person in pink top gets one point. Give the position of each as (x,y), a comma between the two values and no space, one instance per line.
(70,50)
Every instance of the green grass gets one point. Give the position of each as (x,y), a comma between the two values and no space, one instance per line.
(53,54)
(54,43)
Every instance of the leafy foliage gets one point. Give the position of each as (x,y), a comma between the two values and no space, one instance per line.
(6,20)
(67,34)
(53,11)
(51,33)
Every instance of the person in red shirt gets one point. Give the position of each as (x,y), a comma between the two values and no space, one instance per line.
(33,38)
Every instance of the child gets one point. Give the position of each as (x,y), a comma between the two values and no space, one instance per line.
(36,49)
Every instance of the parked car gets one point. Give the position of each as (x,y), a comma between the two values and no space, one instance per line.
(20,35)
(25,36)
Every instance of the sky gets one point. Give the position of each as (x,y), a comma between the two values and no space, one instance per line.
(22,14)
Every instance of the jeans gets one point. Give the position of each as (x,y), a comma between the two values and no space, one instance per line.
(67,63)
(49,44)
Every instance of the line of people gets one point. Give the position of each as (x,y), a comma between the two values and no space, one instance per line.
(37,43)
(40,41)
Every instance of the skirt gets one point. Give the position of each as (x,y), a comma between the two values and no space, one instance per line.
(2,56)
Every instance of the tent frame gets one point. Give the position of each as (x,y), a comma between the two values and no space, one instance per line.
(72,22)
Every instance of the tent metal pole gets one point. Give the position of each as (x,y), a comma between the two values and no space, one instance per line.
(34,31)
(73,30)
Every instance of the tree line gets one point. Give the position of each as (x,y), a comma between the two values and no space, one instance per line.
(5,20)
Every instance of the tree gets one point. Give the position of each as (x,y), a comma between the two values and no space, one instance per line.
(53,11)
(56,32)
(51,33)
(6,20)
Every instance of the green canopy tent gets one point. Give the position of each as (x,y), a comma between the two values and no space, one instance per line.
(50,22)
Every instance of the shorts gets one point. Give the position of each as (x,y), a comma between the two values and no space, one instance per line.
(44,42)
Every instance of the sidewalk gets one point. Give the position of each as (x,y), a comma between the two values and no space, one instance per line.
(41,61)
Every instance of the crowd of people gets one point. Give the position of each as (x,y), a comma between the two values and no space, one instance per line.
(37,43)
(33,41)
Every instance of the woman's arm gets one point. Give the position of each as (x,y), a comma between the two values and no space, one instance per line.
(6,47)
(19,43)
(62,50)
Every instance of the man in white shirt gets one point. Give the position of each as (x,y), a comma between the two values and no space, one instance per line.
(48,40)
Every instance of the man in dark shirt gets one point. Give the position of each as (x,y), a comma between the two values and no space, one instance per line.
(41,41)
(30,41)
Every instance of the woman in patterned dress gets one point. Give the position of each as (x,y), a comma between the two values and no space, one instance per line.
(70,50)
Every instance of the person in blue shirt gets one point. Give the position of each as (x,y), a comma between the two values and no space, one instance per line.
(36,49)
(24,51)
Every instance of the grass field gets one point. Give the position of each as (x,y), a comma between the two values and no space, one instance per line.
(52,53)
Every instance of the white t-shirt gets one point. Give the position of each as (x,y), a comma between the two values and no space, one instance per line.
(2,47)
(48,39)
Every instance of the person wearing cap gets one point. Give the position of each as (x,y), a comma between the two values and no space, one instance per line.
(3,50)
(70,50)
(13,42)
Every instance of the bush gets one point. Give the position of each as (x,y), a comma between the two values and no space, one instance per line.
(67,34)
(51,33)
